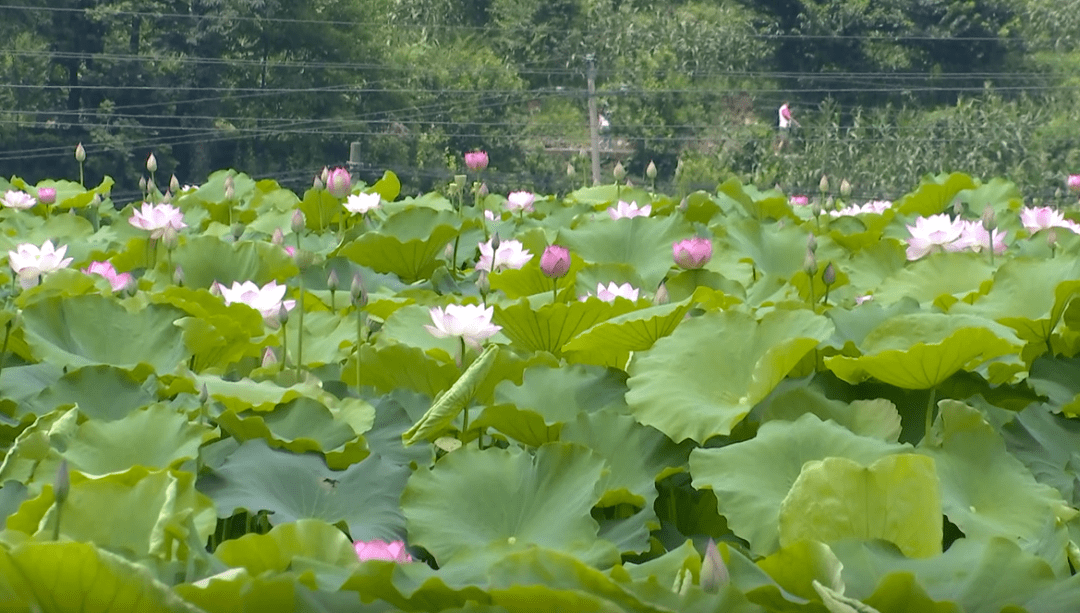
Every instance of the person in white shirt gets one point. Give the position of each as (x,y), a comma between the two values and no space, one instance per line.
(786,121)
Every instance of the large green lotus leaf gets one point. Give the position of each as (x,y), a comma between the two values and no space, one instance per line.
(985,490)
(871,265)
(97,330)
(218,334)
(320,209)
(407,244)
(63,283)
(999,194)
(66,577)
(530,280)
(235,590)
(798,565)
(953,275)
(934,194)
(755,204)
(979,575)
(515,499)
(274,551)
(895,499)
(399,366)
(1029,295)
(608,343)
(752,478)
(525,426)
(1049,446)
(706,376)
(102,393)
(550,326)
(901,593)
(772,249)
(641,242)
(921,350)
(255,395)
(32,453)
(637,456)
(163,516)
(522,580)
(559,393)
(853,326)
(206,259)
(446,407)
(156,437)
(876,418)
(1059,380)
(329,338)
(293,486)
(303,425)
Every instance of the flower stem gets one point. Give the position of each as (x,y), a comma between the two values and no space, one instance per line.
(300,330)
(554,290)
(3,350)
(930,413)
(284,344)
(991,248)
(359,341)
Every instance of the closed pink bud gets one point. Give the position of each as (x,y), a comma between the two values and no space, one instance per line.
(555,262)
(692,253)
(476,160)
(46,195)
(339,183)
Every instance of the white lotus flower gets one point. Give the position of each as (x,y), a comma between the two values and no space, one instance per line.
(266,299)
(362,203)
(471,322)
(612,291)
(520,201)
(930,232)
(624,210)
(30,262)
(14,199)
(158,219)
(510,254)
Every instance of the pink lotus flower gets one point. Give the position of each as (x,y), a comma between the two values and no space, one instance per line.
(510,254)
(555,262)
(266,299)
(692,253)
(476,160)
(1073,182)
(489,215)
(117,281)
(471,322)
(520,202)
(1044,218)
(46,195)
(21,201)
(158,219)
(362,203)
(30,262)
(799,201)
(975,237)
(381,550)
(628,210)
(338,183)
(930,232)
(612,291)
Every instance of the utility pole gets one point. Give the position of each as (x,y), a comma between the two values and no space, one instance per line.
(354,157)
(594,125)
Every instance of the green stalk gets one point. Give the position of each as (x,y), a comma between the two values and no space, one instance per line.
(554,290)
(930,413)
(3,350)
(359,340)
(300,330)
(284,344)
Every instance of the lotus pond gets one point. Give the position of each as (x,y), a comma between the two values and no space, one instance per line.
(236,398)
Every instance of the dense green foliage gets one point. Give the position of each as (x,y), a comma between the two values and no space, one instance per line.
(887,91)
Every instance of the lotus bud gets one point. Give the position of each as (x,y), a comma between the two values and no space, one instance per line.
(269,358)
(80,153)
(324,176)
(358,292)
(230,188)
(238,230)
(298,222)
(714,573)
(957,208)
(619,171)
(679,168)
(495,242)
(167,197)
(303,258)
(823,185)
(178,276)
(811,242)
(283,314)
(150,186)
(629,183)
(476,160)
(62,485)
(483,191)
(448,251)
(570,171)
(650,170)
(989,220)
(810,263)
(332,281)
(1073,182)
(845,188)
(215,289)
(692,253)
(317,183)
(46,195)
(142,184)
(482,283)
(1051,238)
(204,394)
(170,238)
(151,164)
(828,276)
(830,204)
(339,183)
(278,237)
(555,262)
(661,295)
(816,208)
(174,185)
